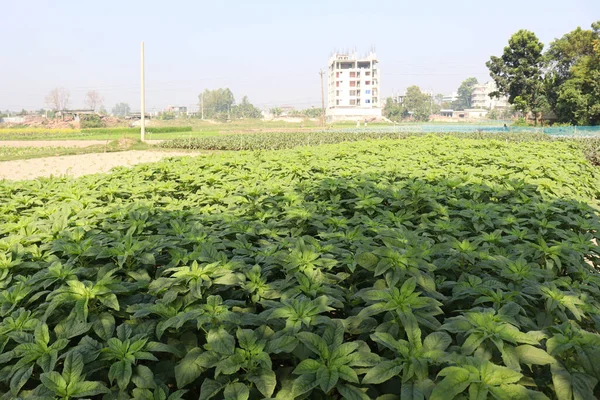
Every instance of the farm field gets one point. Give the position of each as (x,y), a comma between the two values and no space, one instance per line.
(429,267)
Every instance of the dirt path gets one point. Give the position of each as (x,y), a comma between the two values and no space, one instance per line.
(60,143)
(79,165)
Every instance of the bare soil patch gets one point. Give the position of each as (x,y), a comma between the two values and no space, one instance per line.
(78,165)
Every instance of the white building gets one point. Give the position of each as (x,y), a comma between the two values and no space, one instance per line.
(449,98)
(353,87)
(480,98)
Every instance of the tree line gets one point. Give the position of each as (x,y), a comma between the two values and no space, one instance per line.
(562,82)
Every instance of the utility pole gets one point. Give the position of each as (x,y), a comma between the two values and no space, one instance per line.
(143,95)
(202,103)
(321,72)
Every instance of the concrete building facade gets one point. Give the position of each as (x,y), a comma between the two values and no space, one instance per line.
(480,98)
(353,87)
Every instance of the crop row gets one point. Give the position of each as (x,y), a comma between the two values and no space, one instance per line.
(286,140)
(431,267)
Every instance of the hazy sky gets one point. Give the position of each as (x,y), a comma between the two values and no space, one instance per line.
(269,50)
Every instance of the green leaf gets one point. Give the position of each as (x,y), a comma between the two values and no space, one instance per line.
(20,378)
(456,380)
(220,341)
(55,382)
(308,366)
(236,391)
(121,371)
(189,368)
(532,355)
(209,389)
(281,344)
(327,378)
(382,372)
(104,326)
(583,386)
(351,392)
(87,388)
(73,367)
(264,380)
(304,384)
(144,378)
(437,341)
(315,343)
(367,260)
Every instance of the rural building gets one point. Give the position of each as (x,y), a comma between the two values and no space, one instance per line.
(480,98)
(353,89)
(450,98)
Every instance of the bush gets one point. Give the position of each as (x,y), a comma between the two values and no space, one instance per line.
(91,121)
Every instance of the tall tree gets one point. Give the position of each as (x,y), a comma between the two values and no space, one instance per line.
(572,80)
(93,100)
(465,91)
(418,103)
(245,110)
(518,72)
(121,109)
(216,103)
(58,99)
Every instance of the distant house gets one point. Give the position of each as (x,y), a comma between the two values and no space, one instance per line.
(480,97)
(177,110)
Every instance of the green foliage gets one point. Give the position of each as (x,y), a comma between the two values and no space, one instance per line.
(567,88)
(216,103)
(245,110)
(518,72)
(431,267)
(418,104)
(121,109)
(276,111)
(465,90)
(91,121)
(150,129)
(286,140)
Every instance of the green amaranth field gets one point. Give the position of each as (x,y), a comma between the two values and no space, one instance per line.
(428,267)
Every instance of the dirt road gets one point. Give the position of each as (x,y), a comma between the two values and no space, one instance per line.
(60,143)
(79,165)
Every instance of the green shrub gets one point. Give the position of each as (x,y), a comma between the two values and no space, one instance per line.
(91,121)
(431,266)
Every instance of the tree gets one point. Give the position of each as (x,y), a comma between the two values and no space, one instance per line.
(418,103)
(439,98)
(313,112)
(245,110)
(215,102)
(465,91)
(518,72)
(573,74)
(58,99)
(121,109)
(93,100)
(276,111)
(394,111)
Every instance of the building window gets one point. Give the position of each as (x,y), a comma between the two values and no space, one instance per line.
(337,74)
(352,102)
(367,73)
(352,74)
(352,83)
(337,84)
(353,93)
(374,99)
(367,82)
(337,102)
(337,92)
(367,101)
(367,92)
